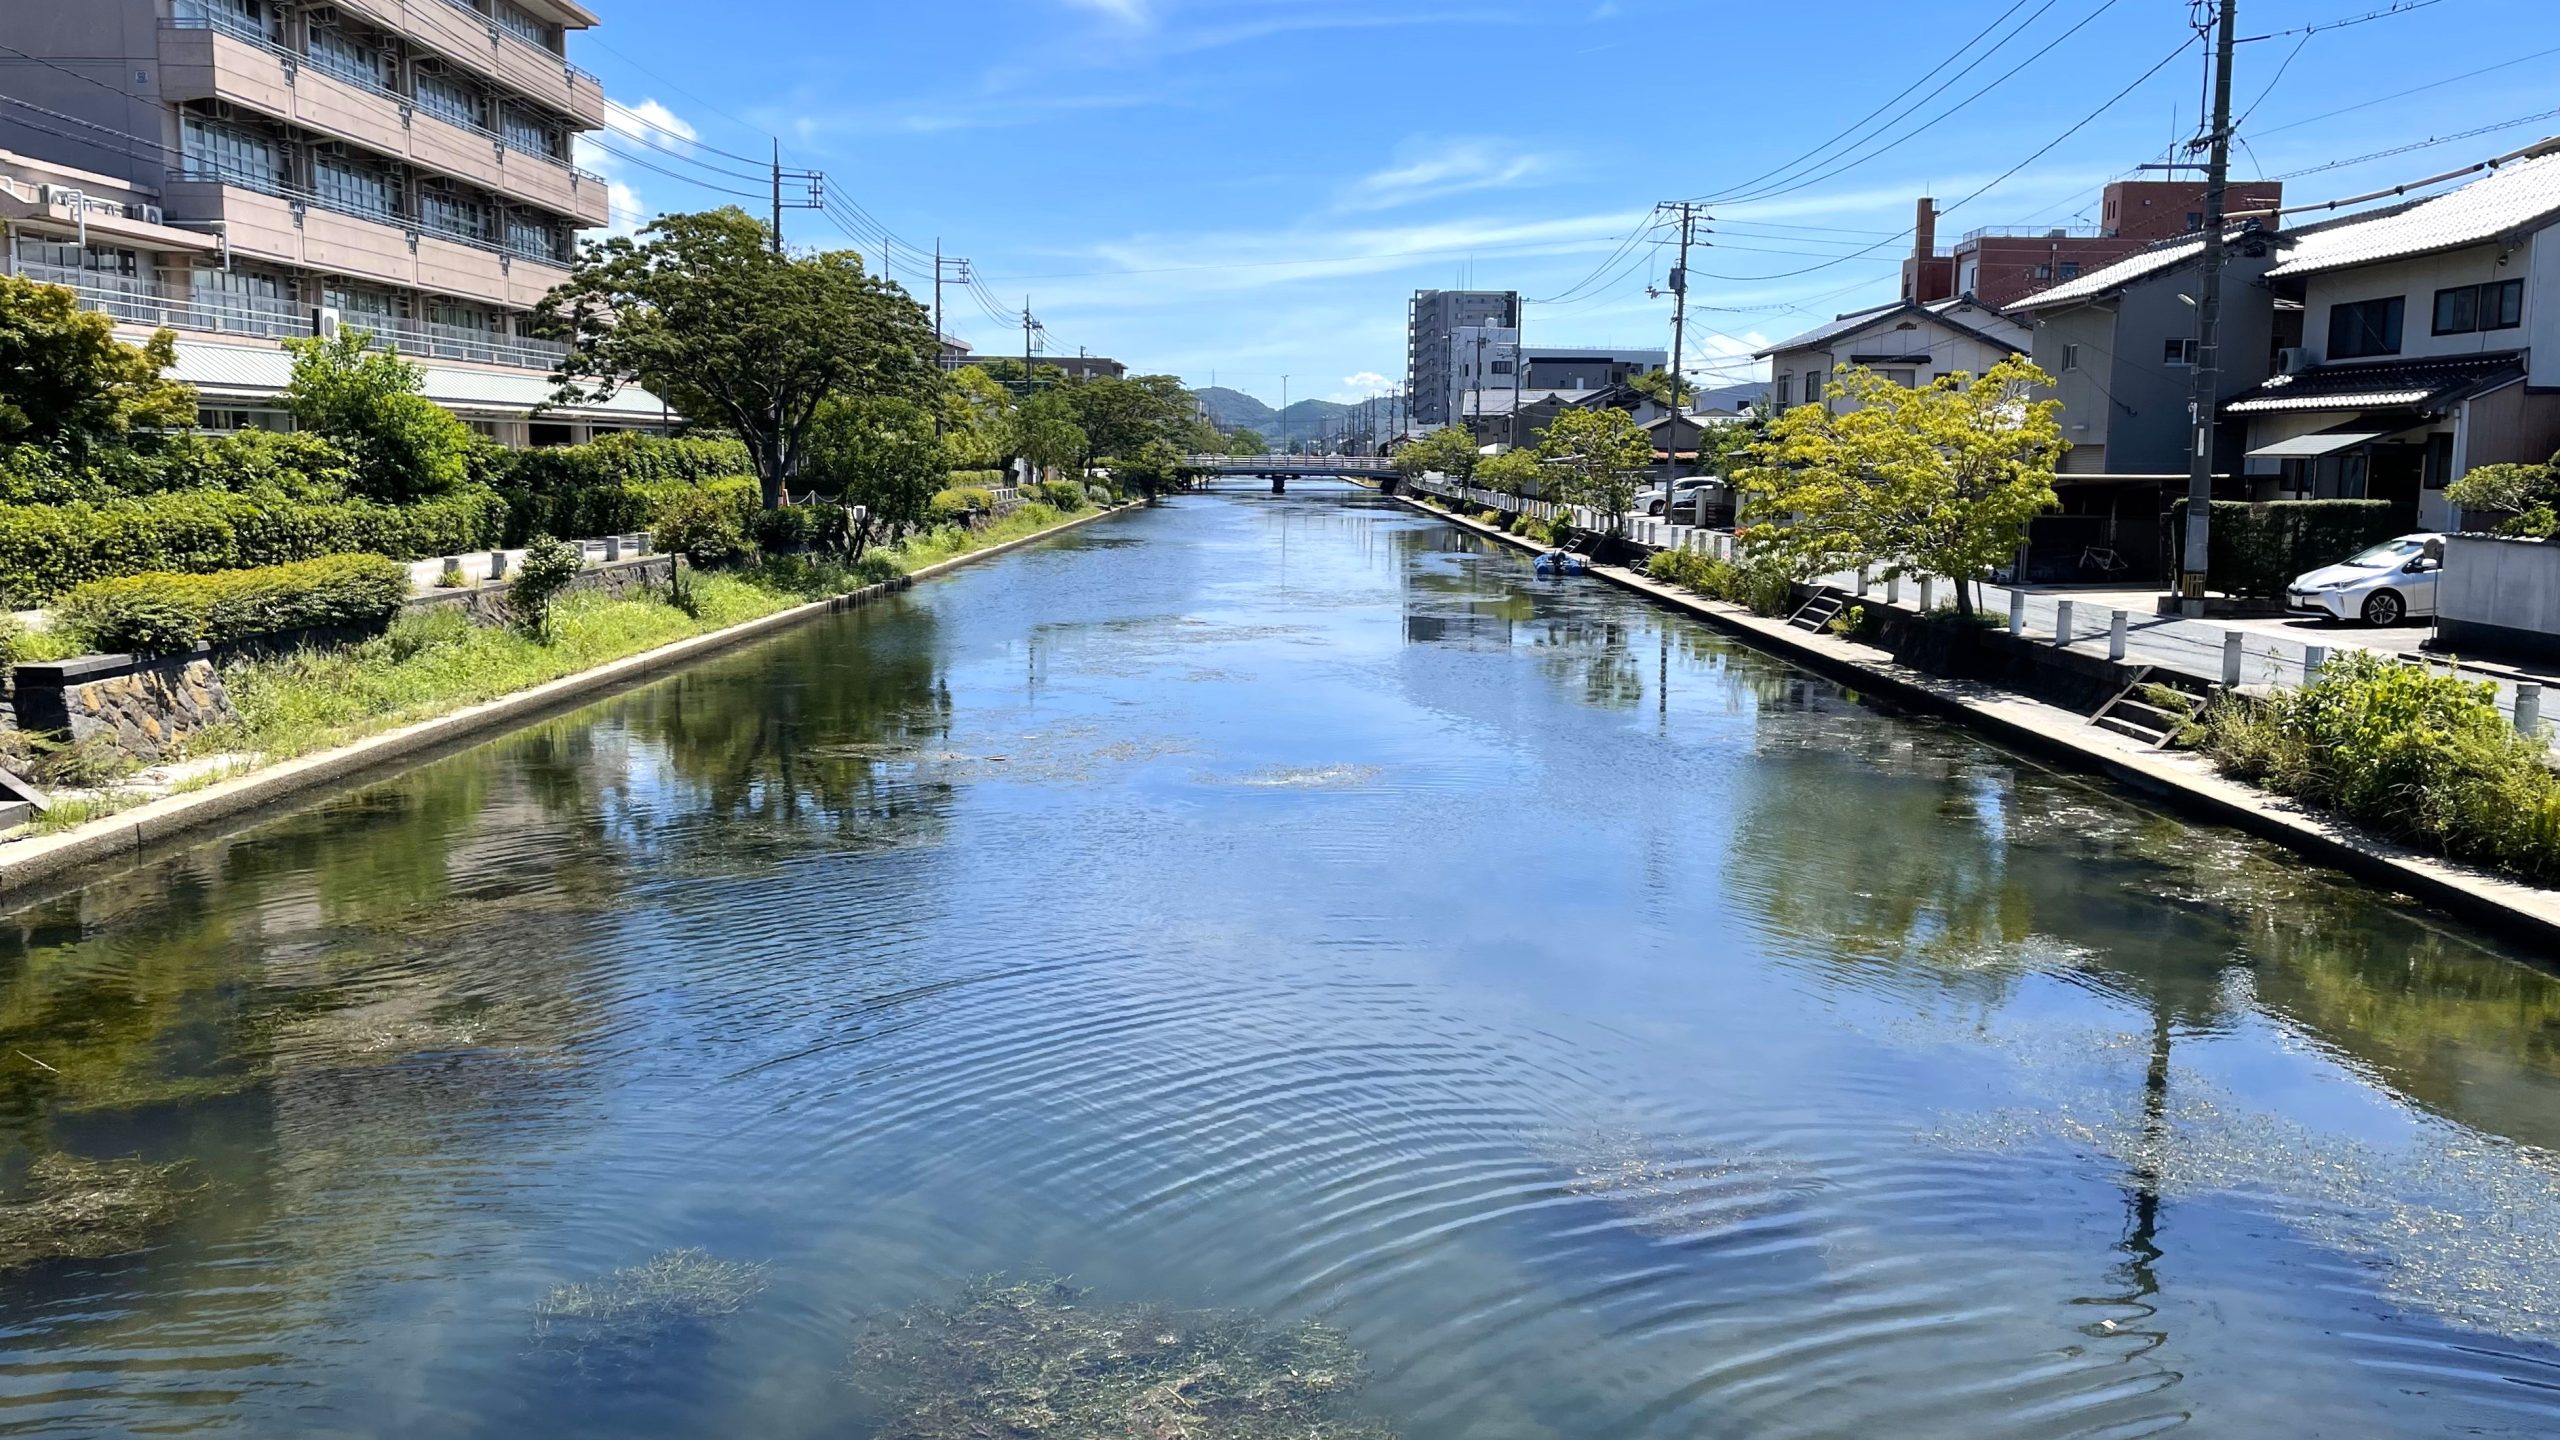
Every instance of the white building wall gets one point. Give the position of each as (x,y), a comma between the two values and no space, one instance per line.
(2416,281)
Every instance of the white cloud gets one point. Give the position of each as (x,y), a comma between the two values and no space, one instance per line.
(646,125)
(1362,386)
(1431,170)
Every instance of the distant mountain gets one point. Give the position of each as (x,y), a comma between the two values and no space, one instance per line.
(1304,420)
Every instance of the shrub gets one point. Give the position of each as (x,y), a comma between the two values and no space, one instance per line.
(2511,490)
(1064,496)
(962,505)
(2257,548)
(788,528)
(549,565)
(157,613)
(977,480)
(405,446)
(1098,494)
(2404,751)
(46,550)
(1762,585)
(698,526)
(620,507)
(625,459)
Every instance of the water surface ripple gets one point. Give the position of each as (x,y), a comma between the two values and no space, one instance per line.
(1295,906)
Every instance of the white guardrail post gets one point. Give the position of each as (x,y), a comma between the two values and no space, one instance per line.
(2062,622)
(2017,612)
(2314,657)
(2529,707)
(2116,623)
(2231,659)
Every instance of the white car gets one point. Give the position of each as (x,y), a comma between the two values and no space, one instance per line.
(2383,586)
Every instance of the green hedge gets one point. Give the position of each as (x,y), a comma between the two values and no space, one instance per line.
(46,550)
(154,612)
(977,479)
(2257,548)
(626,459)
(622,508)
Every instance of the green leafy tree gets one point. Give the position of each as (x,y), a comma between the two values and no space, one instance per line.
(1724,445)
(1119,416)
(1513,472)
(405,446)
(1596,457)
(2524,496)
(977,420)
(1248,442)
(1938,480)
(1655,385)
(881,454)
(68,385)
(1451,451)
(703,311)
(1048,436)
(1202,438)
(1151,470)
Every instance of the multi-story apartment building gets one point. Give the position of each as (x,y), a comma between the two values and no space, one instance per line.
(242,171)
(1568,367)
(1451,337)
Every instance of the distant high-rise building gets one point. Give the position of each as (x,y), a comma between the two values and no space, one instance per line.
(1457,341)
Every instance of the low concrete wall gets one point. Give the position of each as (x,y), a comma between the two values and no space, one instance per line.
(143,705)
(2499,595)
(486,602)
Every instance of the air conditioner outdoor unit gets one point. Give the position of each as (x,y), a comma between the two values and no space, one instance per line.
(324,322)
(2293,359)
(147,214)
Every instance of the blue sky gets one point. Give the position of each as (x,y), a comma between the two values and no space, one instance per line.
(1254,187)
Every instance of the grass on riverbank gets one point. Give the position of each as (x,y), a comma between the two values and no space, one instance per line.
(437,662)
(2422,758)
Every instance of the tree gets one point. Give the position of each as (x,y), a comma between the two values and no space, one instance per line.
(1048,435)
(880,453)
(1939,480)
(702,310)
(1202,438)
(1725,444)
(1449,450)
(1596,456)
(1655,385)
(1512,472)
(69,385)
(1152,469)
(1121,415)
(1248,442)
(405,446)
(977,420)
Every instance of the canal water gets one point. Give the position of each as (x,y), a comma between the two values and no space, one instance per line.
(1294,907)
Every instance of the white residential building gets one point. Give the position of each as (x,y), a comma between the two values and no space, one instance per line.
(1907,343)
(2426,348)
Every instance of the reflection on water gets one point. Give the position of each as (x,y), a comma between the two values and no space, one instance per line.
(1288,916)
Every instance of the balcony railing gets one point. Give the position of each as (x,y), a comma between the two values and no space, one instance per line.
(485,18)
(373,85)
(2036,232)
(202,170)
(146,302)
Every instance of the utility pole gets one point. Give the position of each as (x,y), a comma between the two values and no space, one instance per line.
(2208,367)
(1679,333)
(1027,323)
(777,196)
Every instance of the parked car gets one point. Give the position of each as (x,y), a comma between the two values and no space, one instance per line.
(2385,585)
(1654,502)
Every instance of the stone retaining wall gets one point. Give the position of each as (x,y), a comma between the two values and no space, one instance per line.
(486,603)
(142,706)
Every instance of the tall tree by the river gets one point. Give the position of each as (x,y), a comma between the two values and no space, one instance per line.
(702,310)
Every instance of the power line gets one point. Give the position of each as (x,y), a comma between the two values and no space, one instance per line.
(2397,7)
(2470,134)
(657,169)
(2403,94)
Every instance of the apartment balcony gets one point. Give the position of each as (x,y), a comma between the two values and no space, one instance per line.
(153,305)
(305,232)
(201,62)
(455,31)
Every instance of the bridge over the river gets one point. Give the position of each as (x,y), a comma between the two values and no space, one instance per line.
(1281,469)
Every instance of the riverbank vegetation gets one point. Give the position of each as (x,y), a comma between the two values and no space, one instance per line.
(2419,757)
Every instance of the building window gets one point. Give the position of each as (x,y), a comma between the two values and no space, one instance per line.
(71,255)
(1783,391)
(360,306)
(524,25)
(1903,378)
(456,317)
(215,151)
(214,286)
(248,19)
(2070,357)
(2070,269)
(2366,327)
(453,215)
(2498,305)
(532,237)
(2174,351)
(1501,367)
(338,54)
(345,186)
(2195,221)
(529,135)
(449,99)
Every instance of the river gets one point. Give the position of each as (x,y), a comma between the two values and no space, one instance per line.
(1290,906)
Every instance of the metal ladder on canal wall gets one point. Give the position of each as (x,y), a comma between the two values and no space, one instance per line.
(1818,612)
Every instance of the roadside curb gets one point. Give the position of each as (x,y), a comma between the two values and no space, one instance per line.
(2482,897)
(31,862)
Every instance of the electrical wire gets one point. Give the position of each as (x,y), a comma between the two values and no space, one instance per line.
(2397,7)
(2404,94)
(630,159)
(2470,134)
(2273,82)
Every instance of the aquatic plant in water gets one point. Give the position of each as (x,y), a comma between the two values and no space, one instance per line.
(1032,1359)
(639,1306)
(75,1209)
